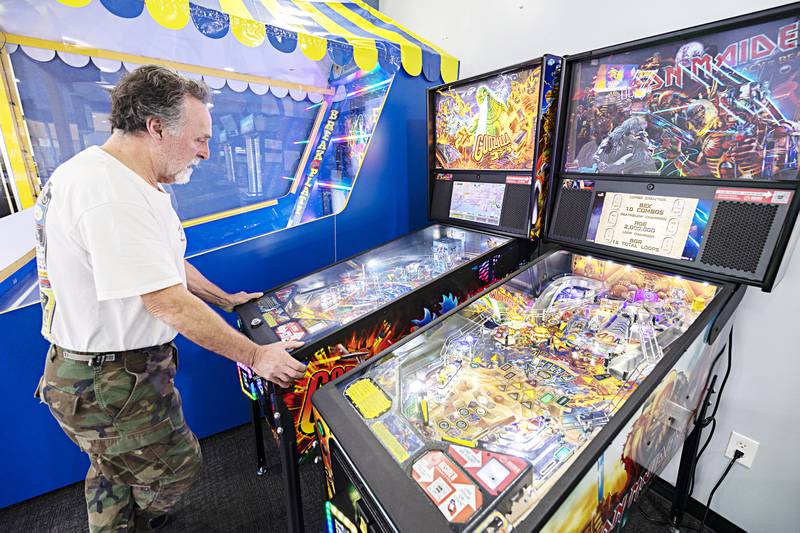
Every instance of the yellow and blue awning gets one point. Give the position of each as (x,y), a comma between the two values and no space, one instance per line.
(338,31)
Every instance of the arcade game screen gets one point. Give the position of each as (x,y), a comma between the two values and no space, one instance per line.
(516,384)
(724,105)
(477,202)
(322,302)
(489,124)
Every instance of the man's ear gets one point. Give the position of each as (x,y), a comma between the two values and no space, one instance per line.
(155,128)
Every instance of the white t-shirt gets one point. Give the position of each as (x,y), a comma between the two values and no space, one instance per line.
(104,237)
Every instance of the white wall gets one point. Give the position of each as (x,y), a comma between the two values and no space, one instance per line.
(16,236)
(763,394)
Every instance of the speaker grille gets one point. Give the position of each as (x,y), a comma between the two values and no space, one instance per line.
(573,212)
(440,203)
(738,234)
(516,207)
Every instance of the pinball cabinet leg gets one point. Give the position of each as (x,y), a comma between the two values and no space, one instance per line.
(287,440)
(721,341)
(689,461)
(258,409)
(261,457)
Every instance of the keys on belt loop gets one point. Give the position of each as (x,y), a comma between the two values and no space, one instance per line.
(92,360)
(98,360)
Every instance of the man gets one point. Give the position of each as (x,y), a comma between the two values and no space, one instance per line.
(115,292)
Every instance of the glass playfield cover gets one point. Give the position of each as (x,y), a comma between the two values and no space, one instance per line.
(517,383)
(325,301)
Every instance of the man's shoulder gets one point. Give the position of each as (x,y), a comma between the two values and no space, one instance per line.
(89,179)
(86,166)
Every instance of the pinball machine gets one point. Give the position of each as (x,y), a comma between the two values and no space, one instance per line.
(489,139)
(549,401)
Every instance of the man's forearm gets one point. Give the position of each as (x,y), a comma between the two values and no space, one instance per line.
(199,323)
(201,287)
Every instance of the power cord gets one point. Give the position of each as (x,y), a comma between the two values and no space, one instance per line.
(727,374)
(738,454)
(712,420)
(700,453)
(708,440)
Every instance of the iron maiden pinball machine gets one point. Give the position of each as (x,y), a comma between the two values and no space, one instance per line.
(549,402)
(488,166)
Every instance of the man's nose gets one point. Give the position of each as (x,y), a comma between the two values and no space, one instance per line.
(204,152)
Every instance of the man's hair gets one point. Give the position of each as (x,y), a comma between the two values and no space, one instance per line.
(152,91)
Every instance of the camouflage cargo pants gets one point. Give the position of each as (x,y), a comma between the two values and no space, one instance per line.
(126,415)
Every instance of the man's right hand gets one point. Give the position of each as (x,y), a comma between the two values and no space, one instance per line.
(273,362)
(188,314)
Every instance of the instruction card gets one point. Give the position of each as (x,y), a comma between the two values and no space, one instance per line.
(656,225)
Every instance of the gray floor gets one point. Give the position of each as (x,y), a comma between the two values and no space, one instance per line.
(230,497)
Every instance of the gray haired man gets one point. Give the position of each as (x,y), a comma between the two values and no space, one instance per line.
(115,292)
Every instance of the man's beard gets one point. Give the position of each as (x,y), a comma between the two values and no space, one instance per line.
(183,177)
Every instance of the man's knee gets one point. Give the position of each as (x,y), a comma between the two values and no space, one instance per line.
(180,461)
(183,455)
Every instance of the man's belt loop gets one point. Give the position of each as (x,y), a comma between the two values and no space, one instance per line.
(92,360)
(98,360)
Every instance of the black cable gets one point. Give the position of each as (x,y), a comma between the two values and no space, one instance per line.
(708,440)
(706,421)
(738,454)
(727,373)
(711,374)
(705,445)
(711,420)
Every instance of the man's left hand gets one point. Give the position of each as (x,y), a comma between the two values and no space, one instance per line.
(240,298)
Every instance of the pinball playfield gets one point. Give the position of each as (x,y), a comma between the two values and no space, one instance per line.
(514,385)
(317,304)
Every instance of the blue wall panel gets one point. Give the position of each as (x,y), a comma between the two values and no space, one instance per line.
(36,455)
(388,201)
(393,172)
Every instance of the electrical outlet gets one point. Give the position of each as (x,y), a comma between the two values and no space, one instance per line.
(746,445)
